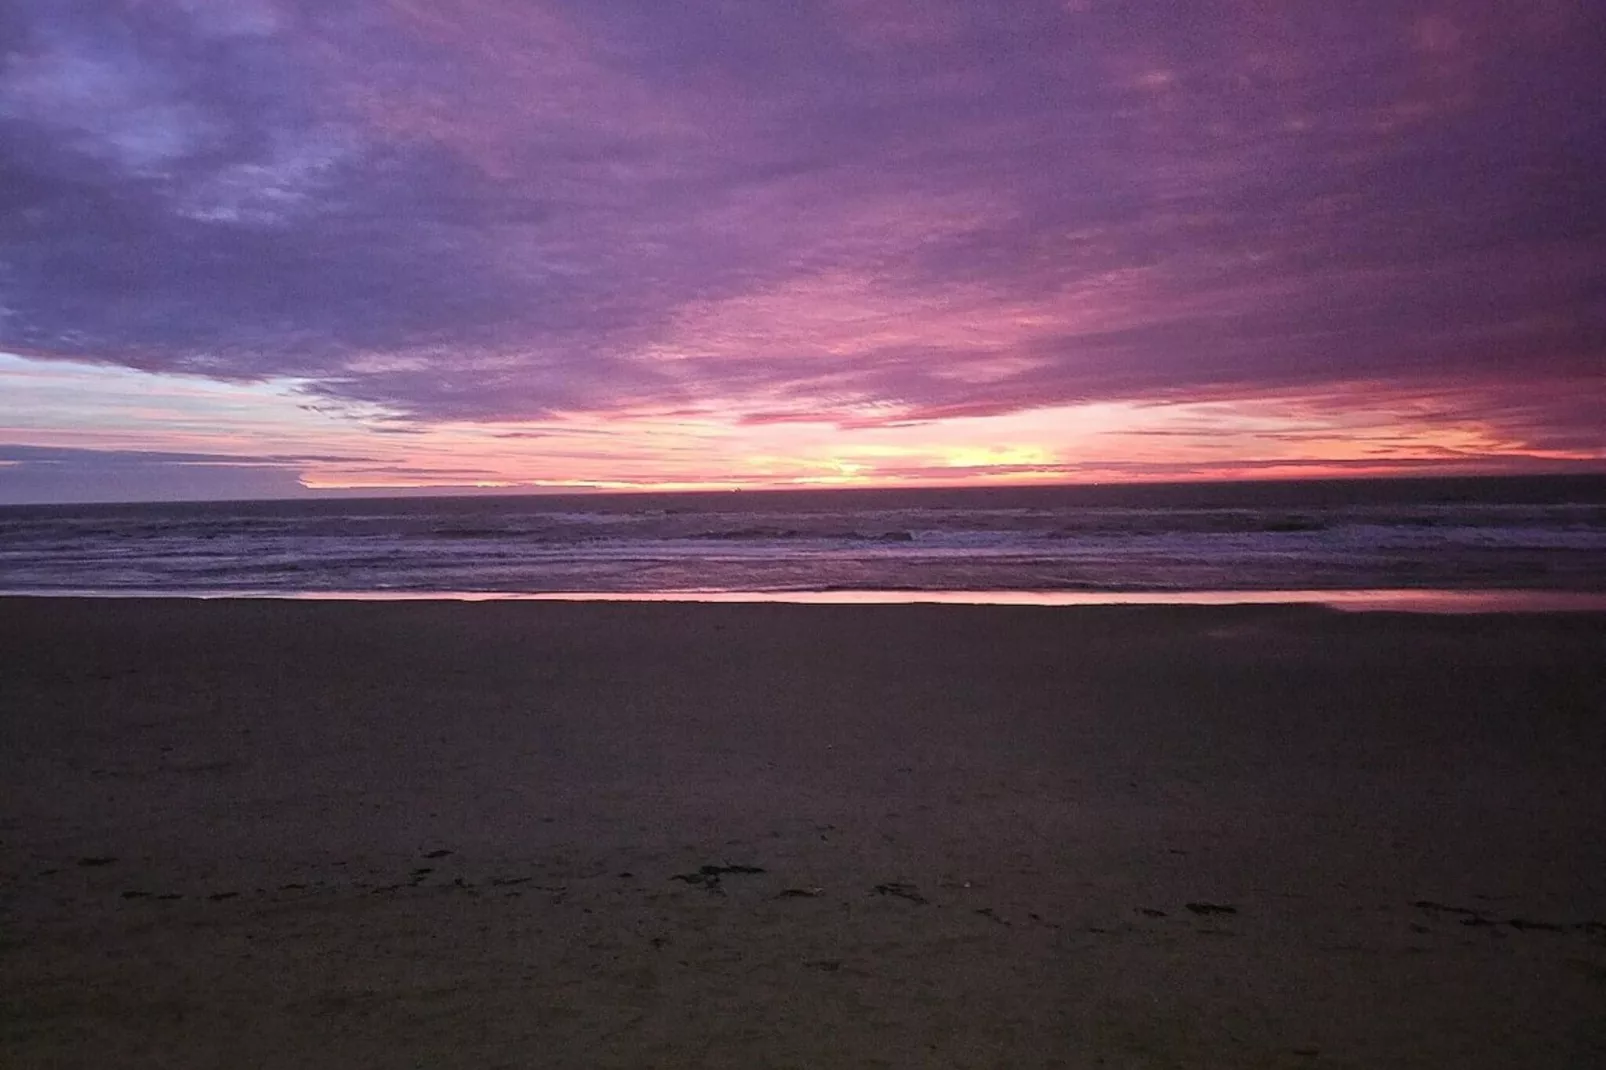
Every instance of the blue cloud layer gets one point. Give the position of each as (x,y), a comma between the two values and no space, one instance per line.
(51,474)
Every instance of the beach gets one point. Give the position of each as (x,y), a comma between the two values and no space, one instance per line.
(259,833)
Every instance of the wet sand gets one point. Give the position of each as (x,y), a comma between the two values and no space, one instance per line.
(277,834)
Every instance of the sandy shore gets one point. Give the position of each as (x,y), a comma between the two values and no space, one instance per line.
(270,834)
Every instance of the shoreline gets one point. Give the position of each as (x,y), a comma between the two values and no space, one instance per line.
(1365,600)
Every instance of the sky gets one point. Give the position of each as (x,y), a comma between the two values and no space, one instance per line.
(253,248)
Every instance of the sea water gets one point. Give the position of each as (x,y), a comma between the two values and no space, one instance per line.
(1543,534)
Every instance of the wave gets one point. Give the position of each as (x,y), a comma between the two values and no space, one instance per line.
(813,542)
(786,534)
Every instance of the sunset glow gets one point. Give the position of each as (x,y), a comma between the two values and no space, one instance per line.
(254,248)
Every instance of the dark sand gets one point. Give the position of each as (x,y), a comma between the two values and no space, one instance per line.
(247,834)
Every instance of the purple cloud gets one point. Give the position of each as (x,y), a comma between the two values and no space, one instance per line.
(861,211)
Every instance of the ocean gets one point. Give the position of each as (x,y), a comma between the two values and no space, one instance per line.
(1507,534)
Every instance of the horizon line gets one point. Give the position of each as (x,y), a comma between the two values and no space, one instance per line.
(471,491)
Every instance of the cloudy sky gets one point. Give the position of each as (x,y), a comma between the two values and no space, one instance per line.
(253,246)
